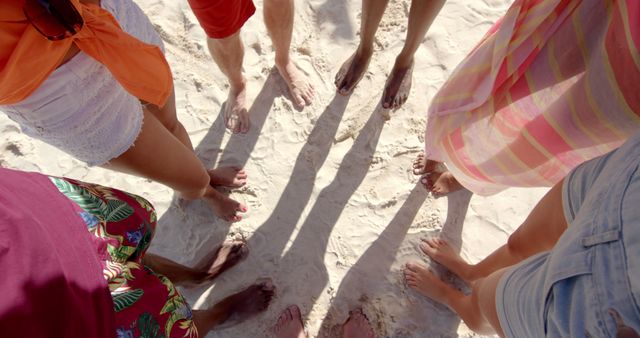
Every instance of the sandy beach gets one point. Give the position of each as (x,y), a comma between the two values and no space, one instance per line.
(334,210)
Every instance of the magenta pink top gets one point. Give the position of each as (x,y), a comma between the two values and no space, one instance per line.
(50,278)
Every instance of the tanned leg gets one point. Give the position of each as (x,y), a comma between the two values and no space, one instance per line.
(539,232)
(477,310)
(224,176)
(398,86)
(235,308)
(278,17)
(354,68)
(160,156)
(223,258)
(228,53)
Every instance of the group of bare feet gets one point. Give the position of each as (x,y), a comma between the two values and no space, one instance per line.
(396,89)
(256,298)
(231,310)
(245,304)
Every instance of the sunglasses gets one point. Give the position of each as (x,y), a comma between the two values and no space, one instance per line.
(55,19)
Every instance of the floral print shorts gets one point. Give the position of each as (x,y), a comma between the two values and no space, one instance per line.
(146,304)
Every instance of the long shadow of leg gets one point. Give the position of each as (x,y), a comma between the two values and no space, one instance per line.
(303,267)
(269,240)
(371,273)
(240,146)
(206,230)
(372,281)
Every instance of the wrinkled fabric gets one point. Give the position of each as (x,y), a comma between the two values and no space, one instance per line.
(27,58)
(552,84)
(51,276)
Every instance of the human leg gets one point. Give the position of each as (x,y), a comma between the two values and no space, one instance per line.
(235,308)
(477,310)
(223,176)
(168,116)
(278,17)
(398,86)
(228,54)
(161,157)
(539,232)
(224,257)
(353,69)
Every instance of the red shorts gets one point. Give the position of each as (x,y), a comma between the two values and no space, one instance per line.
(222,18)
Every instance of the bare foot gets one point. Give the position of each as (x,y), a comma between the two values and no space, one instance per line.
(351,71)
(225,257)
(398,86)
(289,324)
(440,183)
(223,206)
(418,164)
(300,89)
(357,326)
(423,165)
(236,112)
(440,251)
(232,177)
(427,284)
(243,305)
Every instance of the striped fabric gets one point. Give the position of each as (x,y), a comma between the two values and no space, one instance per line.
(552,84)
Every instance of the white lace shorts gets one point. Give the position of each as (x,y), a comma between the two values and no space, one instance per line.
(81,108)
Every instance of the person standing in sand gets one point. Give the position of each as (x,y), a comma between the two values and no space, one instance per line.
(76,254)
(552,83)
(570,270)
(76,81)
(398,85)
(222,21)
(289,325)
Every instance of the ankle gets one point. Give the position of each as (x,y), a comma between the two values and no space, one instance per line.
(238,85)
(364,50)
(282,60)
(403,61)
(212,194)
(471,273)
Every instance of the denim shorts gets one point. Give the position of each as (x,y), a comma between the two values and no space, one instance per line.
(593,272)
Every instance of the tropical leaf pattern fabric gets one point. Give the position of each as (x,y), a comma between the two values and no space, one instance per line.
(146,304)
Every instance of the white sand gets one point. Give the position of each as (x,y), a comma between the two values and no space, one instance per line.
(334,210)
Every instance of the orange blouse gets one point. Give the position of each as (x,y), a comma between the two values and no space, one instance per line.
(27,58)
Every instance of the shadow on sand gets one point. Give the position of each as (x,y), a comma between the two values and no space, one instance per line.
(374,274)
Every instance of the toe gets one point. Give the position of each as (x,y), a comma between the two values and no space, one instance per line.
(395,103)
(410,267)
(295,311)
(426,249)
